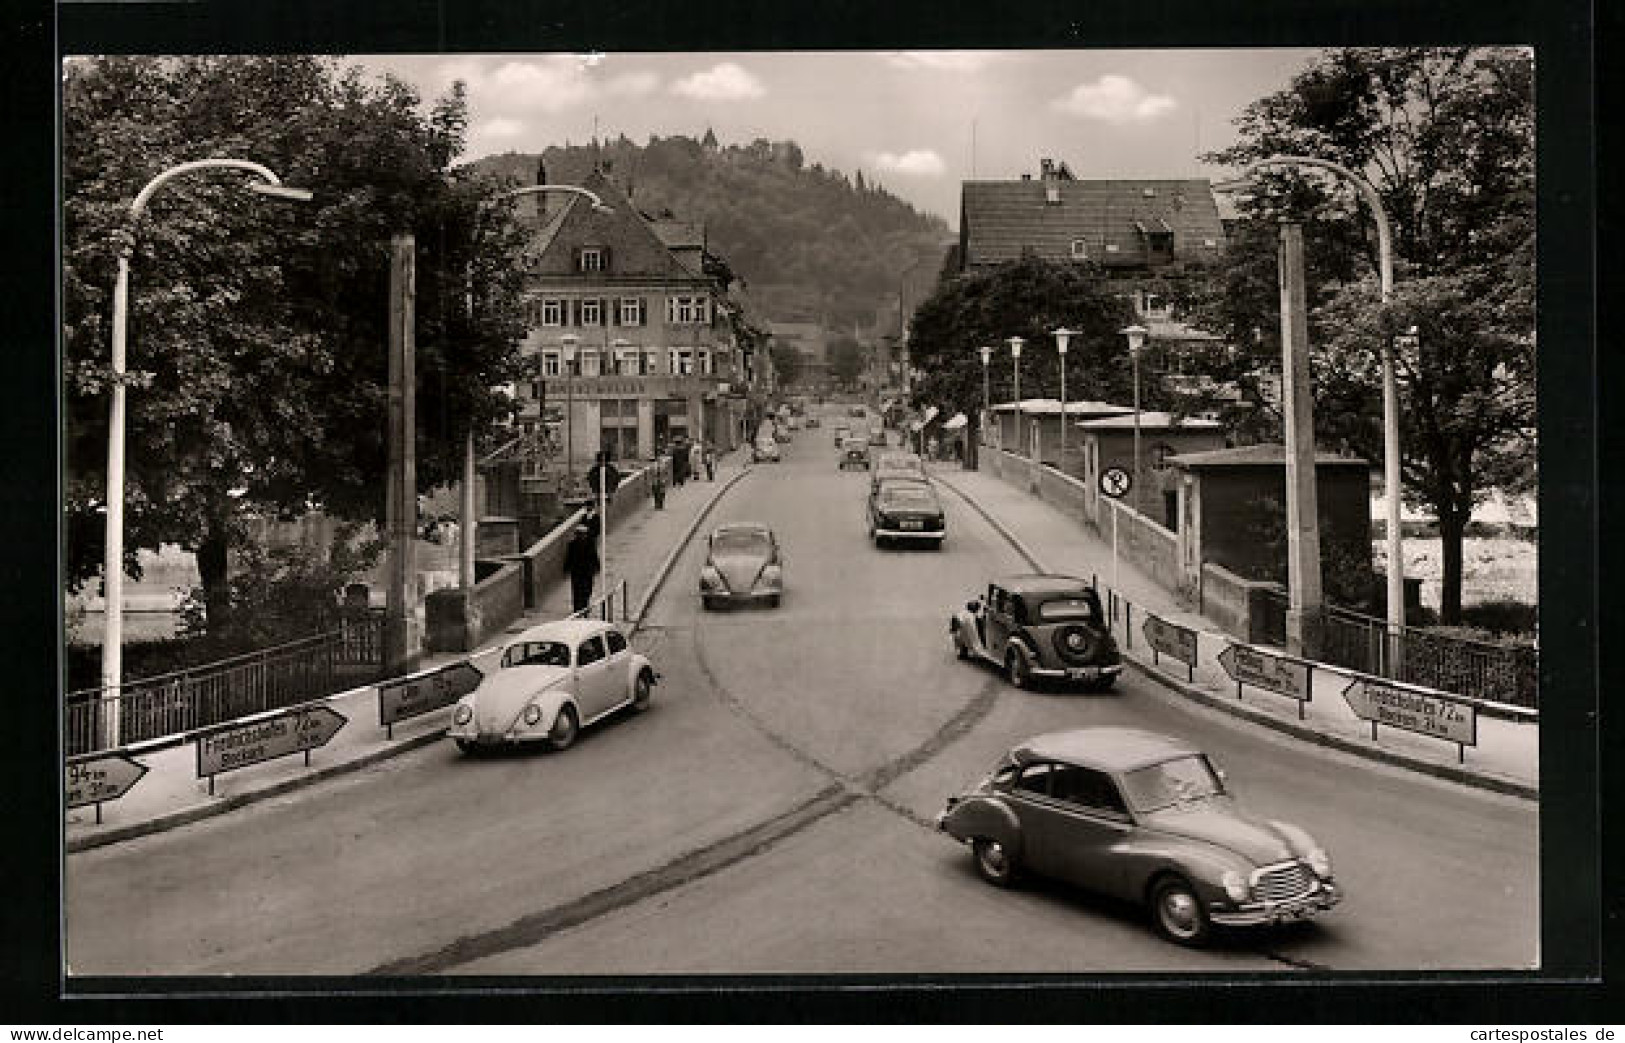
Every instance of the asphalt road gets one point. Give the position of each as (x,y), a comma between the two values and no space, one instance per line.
(771,814)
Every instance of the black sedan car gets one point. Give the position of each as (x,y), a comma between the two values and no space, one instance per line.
(1040,627)
(907,510)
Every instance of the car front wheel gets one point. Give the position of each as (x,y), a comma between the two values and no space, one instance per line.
(1016,668)
(1177,912)
(564,731)
(640,691)
(994,862)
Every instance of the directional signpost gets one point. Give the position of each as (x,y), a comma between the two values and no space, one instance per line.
(266,738)
(1427,713)
(418,695)
(108,776)
(1171,639)
(1283,675)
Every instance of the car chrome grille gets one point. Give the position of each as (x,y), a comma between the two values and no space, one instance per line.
(1283,882)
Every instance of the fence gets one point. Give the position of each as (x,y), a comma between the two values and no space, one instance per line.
(1495,673)
(212,693)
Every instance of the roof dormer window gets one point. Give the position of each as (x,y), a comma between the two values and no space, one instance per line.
(1080,249)
(592,259)
(1052,194)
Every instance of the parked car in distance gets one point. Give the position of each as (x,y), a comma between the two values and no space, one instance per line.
(1145,818)
(765,449)
(550,682)
(906,509)
(842,433)
(743,564)
(854,453)
(812,420)
(897,465)
(1039,626)
(877,436)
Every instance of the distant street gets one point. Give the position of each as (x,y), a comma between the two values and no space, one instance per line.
(773,813)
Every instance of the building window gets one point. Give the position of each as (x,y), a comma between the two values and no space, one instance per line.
(552,312)
(591,259)
(1080,249)
(651,363)
(588,365)
(705,362)
(550,364)
(682,362)
(687,310)
(631,311)
(592,312)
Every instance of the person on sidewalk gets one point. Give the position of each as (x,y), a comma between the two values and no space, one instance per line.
(657,484)
(679,463)
(605,474)
(710,462)
(581,565)
(696,459)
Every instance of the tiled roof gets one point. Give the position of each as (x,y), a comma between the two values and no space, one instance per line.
(1267,454)
(635,248)
(1000,218)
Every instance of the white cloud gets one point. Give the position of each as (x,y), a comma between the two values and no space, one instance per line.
(943,61)
(725,82)
(1115,99)
(632,84)
(921,162)
(500,128)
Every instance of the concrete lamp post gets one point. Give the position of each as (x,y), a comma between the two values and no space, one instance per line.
(1015,354)
(113,561)
(1062,336)
(1136,341)
(987,406)
(1390,390)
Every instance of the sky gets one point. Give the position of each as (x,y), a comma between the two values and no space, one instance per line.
(919,122)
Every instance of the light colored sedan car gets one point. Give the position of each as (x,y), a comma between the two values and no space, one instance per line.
(550,682)
(743,565)
(1145,818)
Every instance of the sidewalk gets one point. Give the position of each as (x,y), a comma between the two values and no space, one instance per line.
(641,550)
(1507,756)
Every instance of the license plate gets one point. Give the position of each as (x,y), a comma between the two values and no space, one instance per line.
(1083,673)
(913,524)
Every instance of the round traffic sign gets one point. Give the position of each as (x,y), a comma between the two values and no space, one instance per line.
(1114,482)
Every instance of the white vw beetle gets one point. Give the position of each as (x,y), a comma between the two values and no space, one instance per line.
(550,682)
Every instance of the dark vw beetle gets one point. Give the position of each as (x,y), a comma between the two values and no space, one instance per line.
(1145,818)
(1039,626)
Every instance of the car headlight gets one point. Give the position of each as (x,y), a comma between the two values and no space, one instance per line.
(1321,863)
(772,575)
(533,714)
(1235,885)
(463,714)
(710,578)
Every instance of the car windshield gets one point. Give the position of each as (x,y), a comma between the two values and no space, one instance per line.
(741,542)
(1171,782)
(1077,606)
(905,494)
(537,653)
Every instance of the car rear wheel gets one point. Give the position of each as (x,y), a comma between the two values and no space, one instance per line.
(994,862)
(468,746)
(1104,684)
(773,601)
(1017,669)
(1177,912)
(960,651)
(640,691)
(564,731)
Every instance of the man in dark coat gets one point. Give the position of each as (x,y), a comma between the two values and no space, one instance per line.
(581,565)
(605,474)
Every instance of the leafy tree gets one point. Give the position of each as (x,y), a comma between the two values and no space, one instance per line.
(1024,298)
(846,361)
(1446,137)
(257,329)
(786,363)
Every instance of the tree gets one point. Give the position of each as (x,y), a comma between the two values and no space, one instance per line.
(1025,298)
(786,363)
(1446,137)
(257,331)
(845,361)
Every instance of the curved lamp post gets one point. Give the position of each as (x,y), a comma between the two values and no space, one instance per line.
(467,507)
(1062,336)
(987,407)
(1390,390)
(1136,340)
(113,563)
(1015,353)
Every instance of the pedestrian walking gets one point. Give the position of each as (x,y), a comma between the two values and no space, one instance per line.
(696,459)
(679,463)
(710,462)
(603,474)
(657,484)
(581,565)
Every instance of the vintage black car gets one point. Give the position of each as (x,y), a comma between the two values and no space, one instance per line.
(1040,627)
(1145,818)
(853,454)
(908,510)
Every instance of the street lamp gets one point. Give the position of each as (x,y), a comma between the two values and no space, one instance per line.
(113,562)
(1015,353)
(1390,389)
(467,507)
(1136,341)
(1061,336)
(987,407)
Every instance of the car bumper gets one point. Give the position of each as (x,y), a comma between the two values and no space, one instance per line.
(1303,907)
(722,596)
(909,534)
(1077,673)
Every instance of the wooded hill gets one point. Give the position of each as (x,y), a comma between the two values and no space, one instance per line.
(810,243)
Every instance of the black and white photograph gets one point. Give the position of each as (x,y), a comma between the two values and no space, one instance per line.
(568,516)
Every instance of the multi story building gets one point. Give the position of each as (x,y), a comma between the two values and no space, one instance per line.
(630,331)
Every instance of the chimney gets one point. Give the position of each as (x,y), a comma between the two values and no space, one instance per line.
(1046,169)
